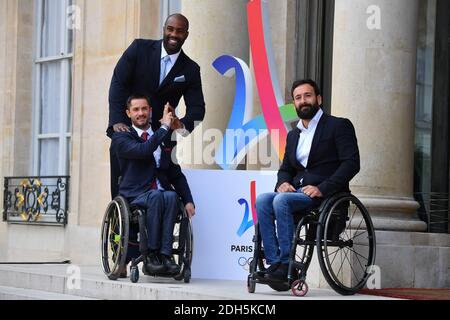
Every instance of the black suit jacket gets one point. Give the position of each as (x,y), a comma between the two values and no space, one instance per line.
(138,72)
(138,165)
(333,160)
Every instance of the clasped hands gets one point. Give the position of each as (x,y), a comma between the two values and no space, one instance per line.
(311,191)
(170,119)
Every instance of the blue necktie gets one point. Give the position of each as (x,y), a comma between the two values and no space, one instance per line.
(164,62)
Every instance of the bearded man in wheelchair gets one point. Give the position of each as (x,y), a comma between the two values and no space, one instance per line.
(151,181)
(321,157)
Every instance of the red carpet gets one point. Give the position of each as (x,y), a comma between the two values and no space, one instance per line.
(410,293)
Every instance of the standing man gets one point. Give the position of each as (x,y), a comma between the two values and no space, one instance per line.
(163,72)
(320,159)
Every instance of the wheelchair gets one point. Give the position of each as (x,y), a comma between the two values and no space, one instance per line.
(343,234)
(123,229)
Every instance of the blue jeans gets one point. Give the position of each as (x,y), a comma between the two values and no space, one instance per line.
(280,207)
(162,209)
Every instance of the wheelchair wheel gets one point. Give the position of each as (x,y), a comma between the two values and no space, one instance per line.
(299,288)
(187,275)
(306,235)
(134,274)
(345,244)
(251,285)
(114,237)
(256,261)
(183,247)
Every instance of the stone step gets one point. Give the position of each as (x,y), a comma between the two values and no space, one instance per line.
(92,283)
(12,293)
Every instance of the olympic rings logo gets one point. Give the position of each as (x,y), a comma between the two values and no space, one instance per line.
(245,262)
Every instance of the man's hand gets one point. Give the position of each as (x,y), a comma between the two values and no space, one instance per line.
(190,209)
(167,118)
(312,192)
(286,187)
(121,127)
(176,124)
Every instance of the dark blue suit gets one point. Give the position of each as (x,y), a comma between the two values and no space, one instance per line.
(333,160)
(138,71)
(138,167)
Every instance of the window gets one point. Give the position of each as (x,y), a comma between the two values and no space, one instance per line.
(432,155)
(314,52)
(169,7)
(52,89)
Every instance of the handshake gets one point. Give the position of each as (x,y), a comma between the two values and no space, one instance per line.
(170,119)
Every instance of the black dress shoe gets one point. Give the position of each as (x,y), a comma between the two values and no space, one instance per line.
(279,274)
(170,265)
(261,274)
(153,265)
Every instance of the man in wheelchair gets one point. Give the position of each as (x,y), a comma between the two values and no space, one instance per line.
(151,180)
(320,159)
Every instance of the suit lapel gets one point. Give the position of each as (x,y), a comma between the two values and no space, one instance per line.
(317,135)
(155,58)
(134,133)
(293,154)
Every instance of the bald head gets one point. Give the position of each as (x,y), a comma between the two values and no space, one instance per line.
(182,19)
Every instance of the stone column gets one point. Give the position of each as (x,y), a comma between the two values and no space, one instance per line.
(220,28)
(374,74)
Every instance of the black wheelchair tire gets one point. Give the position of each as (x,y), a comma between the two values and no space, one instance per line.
(134,274)
(322,247)
(307,249)
(118,207)
(251,285)
(185,261)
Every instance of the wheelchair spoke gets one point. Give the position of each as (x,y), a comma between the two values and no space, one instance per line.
(361,233)
(339,276)
(353,214)
(342,264)
(342,261)
(333,253)
(358,254)
(351,268)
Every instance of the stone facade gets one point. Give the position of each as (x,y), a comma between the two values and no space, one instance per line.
(367,65)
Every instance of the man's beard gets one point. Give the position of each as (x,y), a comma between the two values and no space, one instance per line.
(309,113)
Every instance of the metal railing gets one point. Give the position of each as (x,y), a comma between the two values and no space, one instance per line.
(434,208)
(36,200)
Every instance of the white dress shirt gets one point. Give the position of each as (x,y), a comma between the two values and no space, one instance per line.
(306,138)
(156,153)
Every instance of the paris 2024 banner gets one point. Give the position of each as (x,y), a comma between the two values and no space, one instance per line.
(225,199)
